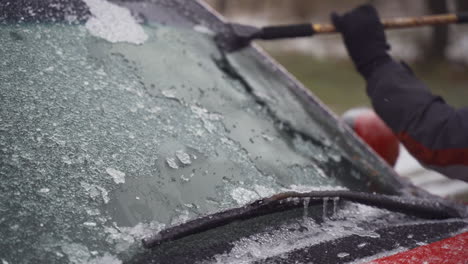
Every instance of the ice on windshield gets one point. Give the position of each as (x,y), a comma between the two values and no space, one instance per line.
(103,142)
(99,137)
(278,244)
(113,23)
(297,235)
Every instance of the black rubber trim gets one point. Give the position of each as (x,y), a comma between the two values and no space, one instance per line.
(462,17)
(283,201)
(286,31)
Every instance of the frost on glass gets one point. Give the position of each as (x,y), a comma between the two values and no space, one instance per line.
(303,237)
(308,231)
(102,143)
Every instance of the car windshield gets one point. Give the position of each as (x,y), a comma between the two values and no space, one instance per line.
(123,123)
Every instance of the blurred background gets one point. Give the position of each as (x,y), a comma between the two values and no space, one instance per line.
(438,56)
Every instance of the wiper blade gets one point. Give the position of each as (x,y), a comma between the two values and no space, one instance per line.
(422,208)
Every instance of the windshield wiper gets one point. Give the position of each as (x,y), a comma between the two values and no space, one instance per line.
(422,208)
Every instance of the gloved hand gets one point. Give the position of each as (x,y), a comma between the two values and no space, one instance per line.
(364,37)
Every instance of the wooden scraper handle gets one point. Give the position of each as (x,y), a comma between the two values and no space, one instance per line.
(405,22)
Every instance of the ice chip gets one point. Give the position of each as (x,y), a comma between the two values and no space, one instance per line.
(76,253)
(172,163)
(44,190)
(206,117)
(89,223)
(183,157)
(243,196)
(169,94)
(117,176)
(264,191)
(204,30)
(362,245)
(106,259)
(343,254)
(94,191)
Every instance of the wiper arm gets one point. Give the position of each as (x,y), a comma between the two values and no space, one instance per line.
(289,200)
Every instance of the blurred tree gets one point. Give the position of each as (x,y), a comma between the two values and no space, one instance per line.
(462,5)
(222,6)
(440,34)
(219,5)
(303,9)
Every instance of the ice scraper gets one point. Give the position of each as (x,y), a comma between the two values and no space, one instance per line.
(239,36)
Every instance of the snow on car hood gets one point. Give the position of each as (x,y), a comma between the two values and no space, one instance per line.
(113,23)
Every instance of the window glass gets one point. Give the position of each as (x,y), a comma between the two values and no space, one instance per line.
(103,141)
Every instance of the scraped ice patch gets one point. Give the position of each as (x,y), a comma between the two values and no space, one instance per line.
(154,110)
(206,117)
(274,243)
(306,188)
(169,93)
(117,176)
(171,162)
(76,253)
(180,219)
(113,23)
(292,236)
(243,196)
(96,191)
(264,191)
(105,259)
(142,229)
(267,137)
(187,178)
(80,254)
(204,30)
(92,212)
(183,157)
(124,237)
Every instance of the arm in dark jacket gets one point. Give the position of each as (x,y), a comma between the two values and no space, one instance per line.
(432,131)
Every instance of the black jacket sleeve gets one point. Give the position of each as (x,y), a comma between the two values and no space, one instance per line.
(433,132)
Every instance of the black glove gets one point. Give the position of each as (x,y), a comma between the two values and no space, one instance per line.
(364,37)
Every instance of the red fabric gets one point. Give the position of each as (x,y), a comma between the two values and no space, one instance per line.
(378,136)
(443,157)
(452,250)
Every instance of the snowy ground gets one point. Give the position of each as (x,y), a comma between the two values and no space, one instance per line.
(431,181)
